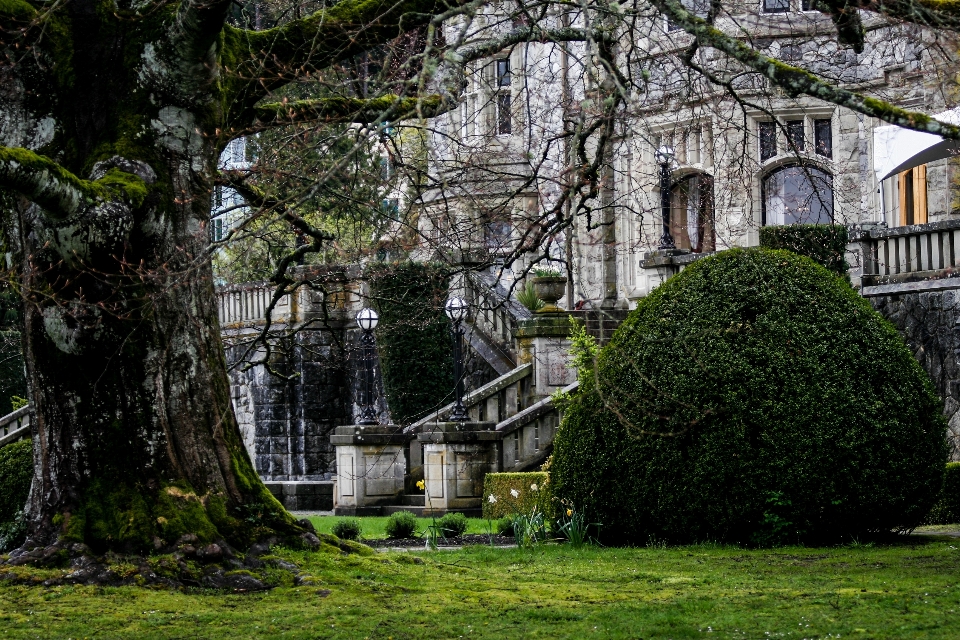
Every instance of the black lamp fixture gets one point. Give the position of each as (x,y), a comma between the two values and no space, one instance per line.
(665,156)
(367,321)
(456,309)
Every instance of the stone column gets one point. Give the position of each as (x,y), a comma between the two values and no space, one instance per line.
(456,457)
(370,468)
(544,340)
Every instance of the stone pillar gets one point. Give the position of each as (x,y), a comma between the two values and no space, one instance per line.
(456,457)
(544,340)
(370,468)
(660,265)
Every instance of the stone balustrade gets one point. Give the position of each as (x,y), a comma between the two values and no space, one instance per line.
(914,258)
(15,426)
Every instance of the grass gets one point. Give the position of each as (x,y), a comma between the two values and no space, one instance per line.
(373,526)
(909,590)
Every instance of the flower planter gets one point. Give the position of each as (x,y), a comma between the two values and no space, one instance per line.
(550,289)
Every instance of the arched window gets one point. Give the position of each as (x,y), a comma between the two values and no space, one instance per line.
(798,194)
(691,213)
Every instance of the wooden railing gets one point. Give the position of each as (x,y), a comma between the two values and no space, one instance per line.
(15,426)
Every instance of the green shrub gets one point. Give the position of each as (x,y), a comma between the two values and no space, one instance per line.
(16,472)
(753,398)
(505,526)
(401,524)
(823,243)
(413,337)
(347,529)
(947,508)
(527,296)
(502,486)
(453,525)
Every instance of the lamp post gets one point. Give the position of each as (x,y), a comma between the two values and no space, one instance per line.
(456,310)
(367,321)
(665,157)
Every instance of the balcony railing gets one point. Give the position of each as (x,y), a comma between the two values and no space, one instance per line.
(15,426)
(915,257)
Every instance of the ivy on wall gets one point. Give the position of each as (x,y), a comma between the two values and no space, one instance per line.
(413,336)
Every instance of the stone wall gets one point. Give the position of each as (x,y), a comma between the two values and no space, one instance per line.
(928,323)
(286,419)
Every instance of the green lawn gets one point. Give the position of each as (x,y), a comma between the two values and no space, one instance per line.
(910,590)
(373,527)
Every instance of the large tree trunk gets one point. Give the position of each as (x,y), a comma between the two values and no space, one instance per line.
(135,441)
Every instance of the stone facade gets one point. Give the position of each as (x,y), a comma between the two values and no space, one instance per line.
(928,321)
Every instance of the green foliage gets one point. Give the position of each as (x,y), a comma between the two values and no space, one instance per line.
(16,473)
(752,398)
(347,529)
(401,524)
(453,525)
(823,243)
(947,508)
(527,296)
(18,403)
(505,526)
(413,337)
(532,491)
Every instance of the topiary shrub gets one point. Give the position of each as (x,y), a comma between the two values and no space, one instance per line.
(823,243)
(453,525)
(16,473)
(752,398)
(413,337)
(401,524)
(515,493)
(946,510)
(347,529)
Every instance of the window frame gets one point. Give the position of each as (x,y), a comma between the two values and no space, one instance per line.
(779,168)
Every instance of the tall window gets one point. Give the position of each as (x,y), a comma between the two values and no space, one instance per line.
(798,194)
(767,133)
(775,6)
(504,99)
(823,137)
(912,191)
(795,134)
(691,213)
(469,122)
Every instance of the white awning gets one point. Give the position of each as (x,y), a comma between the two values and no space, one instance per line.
(896,149)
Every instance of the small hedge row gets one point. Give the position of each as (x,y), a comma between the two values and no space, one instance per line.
(16,472)
(823,243)
(532,490)
(947,508)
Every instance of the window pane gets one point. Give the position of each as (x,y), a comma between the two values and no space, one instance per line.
(504,124)
(503,73)
(823,137)
(807,5)
(795,132)
(768,140)
(798,195)
(691,213)
(776,6)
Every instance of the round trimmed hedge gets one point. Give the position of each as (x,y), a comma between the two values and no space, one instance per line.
(753,398)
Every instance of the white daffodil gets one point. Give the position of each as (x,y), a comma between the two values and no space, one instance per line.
(514,493)
(491,498)
(533,487)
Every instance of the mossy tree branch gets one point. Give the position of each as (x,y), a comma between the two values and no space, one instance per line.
(265,60)
(194,37)
(340,109)
(44,182)
(796,81)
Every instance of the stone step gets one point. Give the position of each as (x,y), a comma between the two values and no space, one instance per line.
(303,495)
(389,510)
(412,501)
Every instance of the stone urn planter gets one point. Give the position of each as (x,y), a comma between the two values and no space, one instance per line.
(550,289)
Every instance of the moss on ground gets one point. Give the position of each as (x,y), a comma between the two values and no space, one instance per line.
(861,591)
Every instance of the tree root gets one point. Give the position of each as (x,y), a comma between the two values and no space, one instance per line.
(185,564)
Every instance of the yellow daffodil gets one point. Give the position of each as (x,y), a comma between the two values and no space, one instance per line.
(421,484)
(569,512)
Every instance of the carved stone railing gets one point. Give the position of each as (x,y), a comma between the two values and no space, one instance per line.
(493,402)
(15,426)
(247,304)
(913,258)
(494,315)
(527,436)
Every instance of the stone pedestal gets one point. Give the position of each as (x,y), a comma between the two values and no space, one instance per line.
(456,457)
(661,264)
(545,341)
(370,468)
